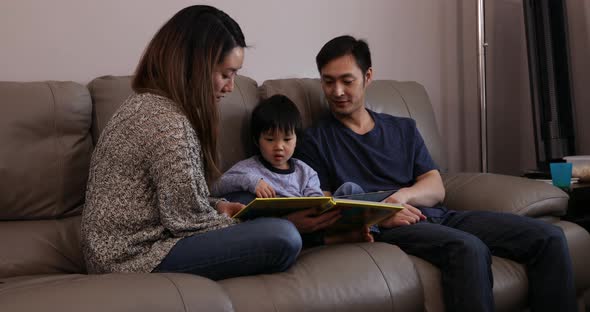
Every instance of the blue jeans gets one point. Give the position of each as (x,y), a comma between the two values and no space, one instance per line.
(265,245)
(461,246)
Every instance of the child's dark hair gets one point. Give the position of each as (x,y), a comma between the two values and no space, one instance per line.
(277,112)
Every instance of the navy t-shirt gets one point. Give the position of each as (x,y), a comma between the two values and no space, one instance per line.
(390,156)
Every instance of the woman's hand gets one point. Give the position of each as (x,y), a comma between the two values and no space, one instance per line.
(307,221)
(228,208)
(264,190)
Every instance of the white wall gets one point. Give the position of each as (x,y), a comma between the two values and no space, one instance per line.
(511,136)
(430,41)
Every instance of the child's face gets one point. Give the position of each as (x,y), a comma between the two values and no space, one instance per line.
(277,147)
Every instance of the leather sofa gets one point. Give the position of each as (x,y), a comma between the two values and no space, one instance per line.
(47,133)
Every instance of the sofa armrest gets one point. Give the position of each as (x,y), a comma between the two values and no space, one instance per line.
(503,193)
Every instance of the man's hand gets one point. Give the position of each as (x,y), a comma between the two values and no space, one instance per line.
(307,221)
(408,215)
(264,190)
(228,208)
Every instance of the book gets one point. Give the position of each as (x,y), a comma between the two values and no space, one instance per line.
(371,196)
(355,213)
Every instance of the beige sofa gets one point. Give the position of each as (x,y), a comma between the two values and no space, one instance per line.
(47,130)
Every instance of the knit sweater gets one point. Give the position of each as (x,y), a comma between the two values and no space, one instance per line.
(146,188)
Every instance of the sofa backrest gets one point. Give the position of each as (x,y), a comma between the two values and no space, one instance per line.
(398,98)
(407,99)
(109,92)
(47,130)
(45,148)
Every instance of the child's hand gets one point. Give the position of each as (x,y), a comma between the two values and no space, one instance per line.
(264,190)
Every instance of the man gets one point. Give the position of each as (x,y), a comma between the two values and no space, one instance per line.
(382,152)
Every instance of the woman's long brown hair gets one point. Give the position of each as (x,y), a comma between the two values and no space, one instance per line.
(178,64)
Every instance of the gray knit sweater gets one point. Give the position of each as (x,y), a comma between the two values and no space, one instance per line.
(146,188)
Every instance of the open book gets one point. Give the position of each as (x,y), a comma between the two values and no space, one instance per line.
(355,213)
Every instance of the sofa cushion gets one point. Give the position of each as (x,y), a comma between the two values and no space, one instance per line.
(109,92)
(40,247)
(510,285)
(398,98)
(45,149)
(347,277)
(502,193)
(114,292)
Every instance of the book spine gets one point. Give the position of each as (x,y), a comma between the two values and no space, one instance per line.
(328,205)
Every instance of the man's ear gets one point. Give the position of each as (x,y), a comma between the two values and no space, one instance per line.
(369,76)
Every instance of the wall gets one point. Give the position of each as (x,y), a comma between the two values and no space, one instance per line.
(511,137)
(579,34)
(422,40)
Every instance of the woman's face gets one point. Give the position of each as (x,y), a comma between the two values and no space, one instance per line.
(225,72)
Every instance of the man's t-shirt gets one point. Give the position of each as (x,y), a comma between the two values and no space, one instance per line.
(390,156)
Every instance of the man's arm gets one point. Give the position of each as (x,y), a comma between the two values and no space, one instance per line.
(427,191)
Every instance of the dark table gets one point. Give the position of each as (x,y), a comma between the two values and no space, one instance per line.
(578,210)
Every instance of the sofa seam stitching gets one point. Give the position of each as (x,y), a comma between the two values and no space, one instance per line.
(307,104)
(244,105)
(94,114)
(539,201)
(382,274)
(402,97)
(177,290)
(57,150)
(265,283)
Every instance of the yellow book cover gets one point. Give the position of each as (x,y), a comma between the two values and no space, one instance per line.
(280,206)
(354,213)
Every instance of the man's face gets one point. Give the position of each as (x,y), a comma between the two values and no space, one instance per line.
(344,85)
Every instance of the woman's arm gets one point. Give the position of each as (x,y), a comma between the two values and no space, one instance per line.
(179,181)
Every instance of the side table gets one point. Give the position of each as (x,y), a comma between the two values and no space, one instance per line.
(578,210)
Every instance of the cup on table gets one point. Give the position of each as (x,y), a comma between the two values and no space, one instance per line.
(561,175)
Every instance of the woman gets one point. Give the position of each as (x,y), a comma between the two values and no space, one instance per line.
(147,204)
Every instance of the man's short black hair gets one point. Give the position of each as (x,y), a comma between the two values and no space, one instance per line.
(277,112)
(345,45)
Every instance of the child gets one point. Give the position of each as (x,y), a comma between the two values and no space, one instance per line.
(274,126)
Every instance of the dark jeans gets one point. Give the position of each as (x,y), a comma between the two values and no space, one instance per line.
(461,246)
(264,245)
